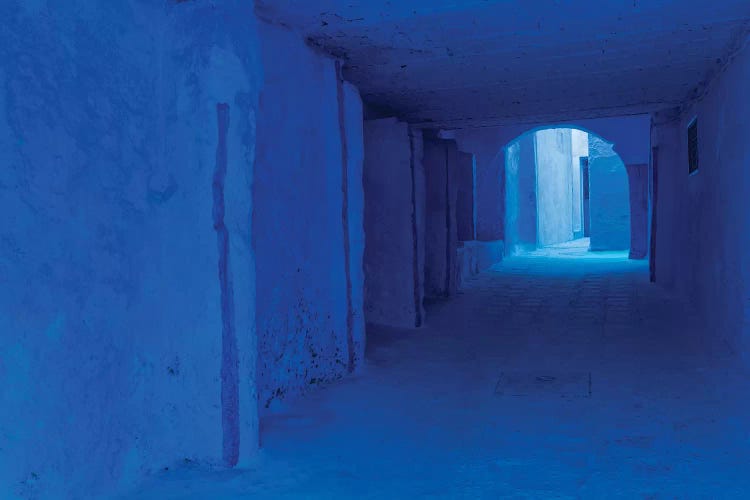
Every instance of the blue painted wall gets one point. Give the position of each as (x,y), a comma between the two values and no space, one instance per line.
(466,185)
(610,197)
(111,329)
(520,199)
(701,239)
(393,294)
(554,186)
(441,235)
(303,320)
(141,178)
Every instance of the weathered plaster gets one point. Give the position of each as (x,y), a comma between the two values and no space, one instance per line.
(554,186)
(111,344)
(441,237)
(305,300)
(391,259)
(701,239)
(610,197)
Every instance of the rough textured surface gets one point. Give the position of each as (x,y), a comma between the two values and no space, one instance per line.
(670,193)
(465,210)
(458,63)
(353,129)
(701,246)
(655,426)
(111,325)
(580,149)
(520,199)
(420,219)
(441,237)
(610,197)
(134,210)
(638,181)
(390,253)
(553,148)
(474,257)
(302,305)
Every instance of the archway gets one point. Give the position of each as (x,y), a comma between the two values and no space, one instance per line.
(564,183)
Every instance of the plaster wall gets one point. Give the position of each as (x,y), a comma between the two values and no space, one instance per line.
(420,219)
(490,183)
(702,219)
(580,146)
(306,314)
(610,198)
(390,253)
(124,188)
(638,183)
(352,127)
(670,192)
(465,213)
(473,257)
(553,149)
(441,236)
(521,201)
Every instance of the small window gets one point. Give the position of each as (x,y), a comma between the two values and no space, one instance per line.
(693,146)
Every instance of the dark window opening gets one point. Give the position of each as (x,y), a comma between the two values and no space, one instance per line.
(693,146)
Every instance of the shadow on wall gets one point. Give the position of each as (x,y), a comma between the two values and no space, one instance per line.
(563,184)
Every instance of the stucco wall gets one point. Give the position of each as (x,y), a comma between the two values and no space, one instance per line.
(350,109)
(465,214)
(638,183)
(580,148)
(670,203)
(119,209)
(554,186)
(702,220)
(303,308)
(390,251)
(490,182)
(610,198)
(420,219)
(441,237)
(521,204)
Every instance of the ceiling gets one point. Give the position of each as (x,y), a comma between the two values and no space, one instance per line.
(472,63)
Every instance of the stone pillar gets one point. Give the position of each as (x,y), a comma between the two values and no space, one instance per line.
(441,237)
(520,199)
(465,212)
(393,290)
(638,180)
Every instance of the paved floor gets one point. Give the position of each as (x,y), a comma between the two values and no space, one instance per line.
(560,374)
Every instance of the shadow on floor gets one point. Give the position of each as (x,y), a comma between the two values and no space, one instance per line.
(612,390)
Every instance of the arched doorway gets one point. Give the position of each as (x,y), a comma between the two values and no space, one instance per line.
(566,183)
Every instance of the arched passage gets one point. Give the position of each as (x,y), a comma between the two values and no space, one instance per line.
(563,183)
(630,137)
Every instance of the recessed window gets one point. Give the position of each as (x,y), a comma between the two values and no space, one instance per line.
(693,146)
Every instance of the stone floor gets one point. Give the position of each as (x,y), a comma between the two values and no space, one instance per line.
(559,374)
